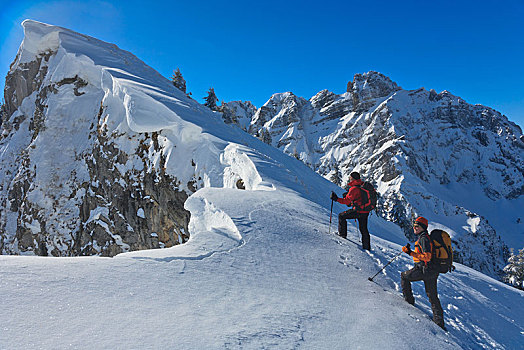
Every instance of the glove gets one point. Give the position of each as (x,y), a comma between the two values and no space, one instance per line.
(452,268)
(344,194)
(333,196)
(407,249)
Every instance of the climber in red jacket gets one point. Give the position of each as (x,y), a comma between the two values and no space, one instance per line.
(353,199)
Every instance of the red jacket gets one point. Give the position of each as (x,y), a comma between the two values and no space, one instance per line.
(353,195)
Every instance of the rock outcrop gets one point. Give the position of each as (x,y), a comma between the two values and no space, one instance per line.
(74,180)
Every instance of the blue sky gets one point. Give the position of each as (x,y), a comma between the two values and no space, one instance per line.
(250,50)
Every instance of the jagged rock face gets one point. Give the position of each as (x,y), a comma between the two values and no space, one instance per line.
(367,87)
(282,122)
(144,208)
(72,183)
(331,106)
(238,112)
(28,78)
(426,153)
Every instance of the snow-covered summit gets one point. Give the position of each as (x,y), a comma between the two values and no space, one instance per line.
(371,85)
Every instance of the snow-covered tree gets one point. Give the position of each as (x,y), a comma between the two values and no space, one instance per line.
(515,270)
(336,177)
(178,80)
(211,99)
(265,136)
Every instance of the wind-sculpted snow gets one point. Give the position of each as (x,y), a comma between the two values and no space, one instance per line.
(241,168)
(212,231)
(138,104)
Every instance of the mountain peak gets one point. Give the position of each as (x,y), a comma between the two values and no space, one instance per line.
(39,38)
(372,85)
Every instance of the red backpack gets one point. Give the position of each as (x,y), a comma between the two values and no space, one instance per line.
(368,196)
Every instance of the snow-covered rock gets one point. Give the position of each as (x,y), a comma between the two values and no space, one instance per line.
(99,153)
(84,147)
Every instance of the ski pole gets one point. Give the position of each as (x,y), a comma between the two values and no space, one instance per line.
(358,231)
(396,256)
(330,215)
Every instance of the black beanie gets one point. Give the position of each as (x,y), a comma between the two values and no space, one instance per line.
(355,175)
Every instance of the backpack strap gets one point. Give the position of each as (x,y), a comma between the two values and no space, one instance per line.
(430,248)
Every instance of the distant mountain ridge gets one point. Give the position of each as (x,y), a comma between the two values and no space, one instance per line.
(428,153)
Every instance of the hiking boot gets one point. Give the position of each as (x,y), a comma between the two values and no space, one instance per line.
(410,301)
(441,325)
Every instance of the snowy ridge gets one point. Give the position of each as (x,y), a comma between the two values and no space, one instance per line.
(110,150)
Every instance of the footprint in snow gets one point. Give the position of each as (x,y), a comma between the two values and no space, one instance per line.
(346,261)
(414,317)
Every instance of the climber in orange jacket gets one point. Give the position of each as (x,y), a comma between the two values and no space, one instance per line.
(422,271)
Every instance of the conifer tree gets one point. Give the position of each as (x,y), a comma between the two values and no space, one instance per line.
(178,80)
(515,270)
(336,178)
(211,99)
(266,137)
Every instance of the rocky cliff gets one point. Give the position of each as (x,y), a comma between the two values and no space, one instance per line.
(75,178)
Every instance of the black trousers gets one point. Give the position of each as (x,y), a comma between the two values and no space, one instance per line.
(362,226)
(430,283)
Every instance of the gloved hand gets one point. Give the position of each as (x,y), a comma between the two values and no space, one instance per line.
(333,196)
(452,268)
(407,249)
(344,194)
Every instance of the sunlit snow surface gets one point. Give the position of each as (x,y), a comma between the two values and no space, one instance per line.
(260,270)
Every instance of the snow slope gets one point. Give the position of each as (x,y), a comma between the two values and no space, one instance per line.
(256,273)
(259,270)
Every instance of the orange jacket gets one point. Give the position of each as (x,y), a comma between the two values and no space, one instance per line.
(422,252)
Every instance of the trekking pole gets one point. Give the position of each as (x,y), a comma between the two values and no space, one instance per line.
(396,256)
(330,215)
